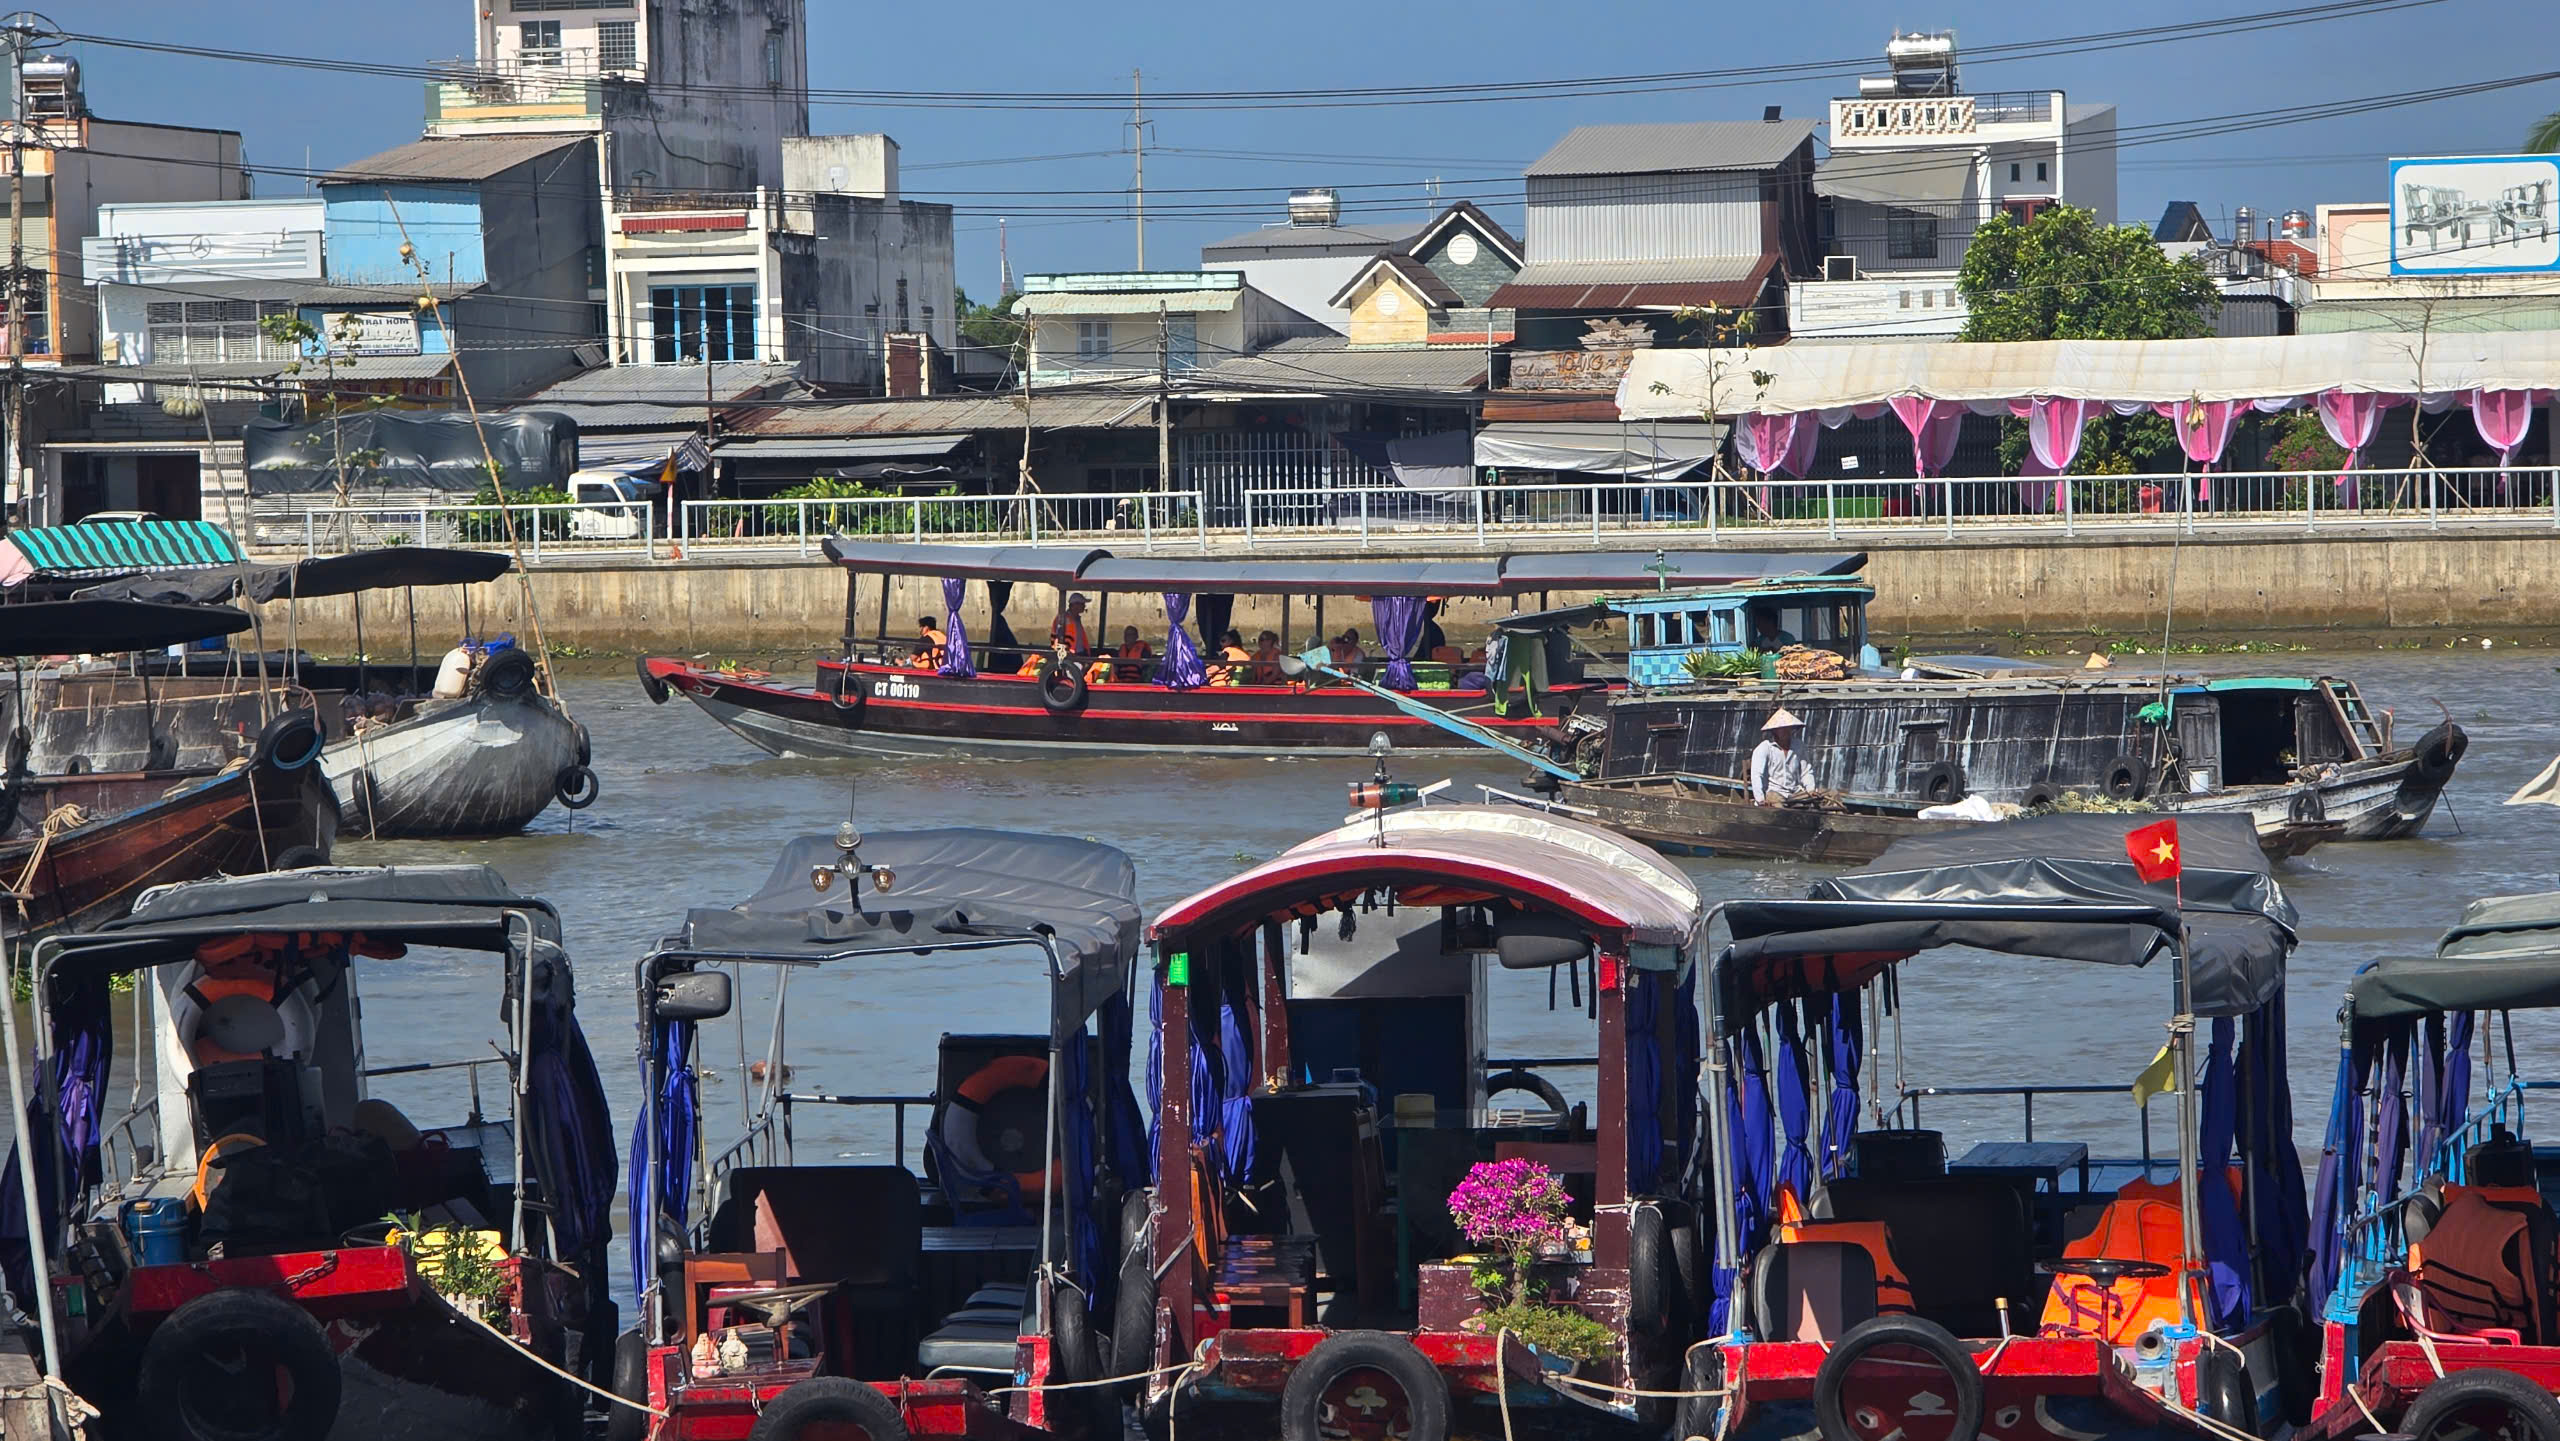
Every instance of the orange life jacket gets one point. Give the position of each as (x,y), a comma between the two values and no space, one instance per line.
(1893,1284)
(2143,1223)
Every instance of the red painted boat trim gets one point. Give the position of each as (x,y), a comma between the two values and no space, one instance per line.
(1239,890)
(328,1284)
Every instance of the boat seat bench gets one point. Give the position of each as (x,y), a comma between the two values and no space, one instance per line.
(1273,1274)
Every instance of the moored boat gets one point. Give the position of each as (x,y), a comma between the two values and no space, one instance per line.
(263,1244)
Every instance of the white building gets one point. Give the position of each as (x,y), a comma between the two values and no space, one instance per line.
(1114,326)
(1305,262)
(1916,164)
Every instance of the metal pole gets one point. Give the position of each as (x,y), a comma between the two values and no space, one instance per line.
(18,292)
(523,1076)
(2070,521)
(2182,1029)
(39,1242)
(1164,389)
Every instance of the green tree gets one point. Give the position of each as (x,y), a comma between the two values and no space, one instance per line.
(2544,137)
(2063,276)
(991,327)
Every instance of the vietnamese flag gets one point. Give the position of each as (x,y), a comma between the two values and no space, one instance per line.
(2154,849)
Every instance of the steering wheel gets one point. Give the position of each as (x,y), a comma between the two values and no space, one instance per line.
(2105,1270)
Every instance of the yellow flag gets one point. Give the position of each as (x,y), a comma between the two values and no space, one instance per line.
(2157,1077)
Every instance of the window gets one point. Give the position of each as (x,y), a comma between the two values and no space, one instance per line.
(1093,340)
(2013,172)
(523,7)
(39,330)
(1725,628)
(773,59)
(2040,170)
(1183,340)
(538,41)
(1910,235)
(617,45)
(686,322)
(902,303)
(205,332)
(928,319)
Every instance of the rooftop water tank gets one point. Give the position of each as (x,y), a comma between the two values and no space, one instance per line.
(2296,224)
(1315,207)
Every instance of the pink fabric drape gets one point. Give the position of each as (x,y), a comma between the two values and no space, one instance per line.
(2204,430)
(1934,427)
(2503,417)
(2053,442)
(2350,420)
(1779,444)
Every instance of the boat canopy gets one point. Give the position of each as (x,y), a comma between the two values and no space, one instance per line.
(2503,956)
(1456,855)
(101,627)
(392,567)
(949,885)
(106,547)
(1503,575)
(2060,887)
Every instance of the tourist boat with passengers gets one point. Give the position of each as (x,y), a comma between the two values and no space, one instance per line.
(960,1287)
(260,1242)
(872,700)
(77,848)
(2440,1288)
(2033,1289)
(404,761)
(1326,1109)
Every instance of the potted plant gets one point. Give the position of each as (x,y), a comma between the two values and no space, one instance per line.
(1516,1209)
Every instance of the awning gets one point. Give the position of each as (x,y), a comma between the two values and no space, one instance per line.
(1682,384)
(104,627)
(1282,577)
(642,450)
(1655,450)
(1634,569)
(108,547)
(1036,564)
(1901,177)
(2503,956)
(845,448)
(1727,280)
(392,567)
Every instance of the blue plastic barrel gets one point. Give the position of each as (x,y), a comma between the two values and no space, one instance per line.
(157,1231)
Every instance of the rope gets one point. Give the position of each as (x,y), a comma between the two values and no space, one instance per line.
(1088,1385)
(62,818)
(2358,1397)
(578,1381)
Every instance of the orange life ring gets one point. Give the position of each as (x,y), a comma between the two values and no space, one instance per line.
(236,1141)
(221,980)
(960,1118)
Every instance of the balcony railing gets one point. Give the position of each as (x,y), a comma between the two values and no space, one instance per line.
(1897,116)
(468,91)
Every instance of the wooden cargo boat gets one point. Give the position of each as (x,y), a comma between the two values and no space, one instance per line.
(263,1245)
(870,700)
(1866,1284)
(955,1290)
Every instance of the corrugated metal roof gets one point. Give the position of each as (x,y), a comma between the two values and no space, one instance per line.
(1325,363)
(1697,145)
(1320,239)
(477,158)
(374,367)
(622,397)
(301,292)
(1902,177)
(1619,285)
(843,447)
(105,547)
(1070,410)
(1128,302)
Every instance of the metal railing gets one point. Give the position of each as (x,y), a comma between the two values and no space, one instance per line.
(129,1143)
(1150,518)
(767,1142)
(2375,1243)
(556,531)
(2026,1096)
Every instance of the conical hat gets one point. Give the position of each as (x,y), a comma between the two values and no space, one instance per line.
(1783,719)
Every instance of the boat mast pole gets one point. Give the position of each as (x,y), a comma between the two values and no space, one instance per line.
(39,1243)
(2182,1036)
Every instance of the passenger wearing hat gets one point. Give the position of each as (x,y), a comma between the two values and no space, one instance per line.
(1068,626)
(1777,772)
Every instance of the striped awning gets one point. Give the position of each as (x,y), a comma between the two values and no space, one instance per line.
(115,547)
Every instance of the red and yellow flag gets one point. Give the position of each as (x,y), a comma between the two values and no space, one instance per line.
(2154,849)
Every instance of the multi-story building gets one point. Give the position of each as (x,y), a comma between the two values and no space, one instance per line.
(1917,163)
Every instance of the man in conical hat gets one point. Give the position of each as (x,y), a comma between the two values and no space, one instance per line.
(1777,769)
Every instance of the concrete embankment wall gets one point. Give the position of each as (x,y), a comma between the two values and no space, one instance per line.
(2502,581)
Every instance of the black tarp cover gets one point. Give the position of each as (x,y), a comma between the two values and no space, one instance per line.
(103,627)
(2504,955)
(390,567)
(1056,565)
(1283,577)
(418,450)
(2058,887)
(1633,569)
(948,881)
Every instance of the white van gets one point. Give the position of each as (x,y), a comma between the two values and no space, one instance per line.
(628,518)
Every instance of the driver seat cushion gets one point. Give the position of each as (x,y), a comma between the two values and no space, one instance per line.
(1812,1290)
(980,1337)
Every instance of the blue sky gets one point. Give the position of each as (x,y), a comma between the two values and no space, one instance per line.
(1393,154)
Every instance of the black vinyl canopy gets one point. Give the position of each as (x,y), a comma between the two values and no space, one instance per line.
(1284,577)
(1636,569)
(2059,887)
(949,885)
(1038,564)
(391,567)
(67,627)
(2504,955)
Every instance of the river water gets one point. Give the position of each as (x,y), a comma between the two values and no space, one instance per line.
(692,816)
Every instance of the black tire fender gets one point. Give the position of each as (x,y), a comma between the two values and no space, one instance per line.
(1831,1383)
(1529,1081)
(656,688)
(851,693)
(507,675)
(1075,1353)
(2306,808)
(2124,777)
(586,746)
(2536,1414)
(834,1403)
(294,858)
(631,1383)
(1701,1381)
(2296,1346)
(291,741)
(2224,1391)
(577,787)
(1133,1310)
(1062,687)
(181,1386)
(1392,1356)
(1941,784)
(2040,792)
(1654,1297)
(2432,760)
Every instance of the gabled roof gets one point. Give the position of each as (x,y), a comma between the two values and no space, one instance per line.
(1697,145)
(1405,257)
(2182,221)
(1418,277)
(1468,212)
(657,396)
(1330,363)
(473,159)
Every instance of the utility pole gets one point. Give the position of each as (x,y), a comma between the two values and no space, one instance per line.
(1164,398)
(16,483)
(1004,263)
(1138,142)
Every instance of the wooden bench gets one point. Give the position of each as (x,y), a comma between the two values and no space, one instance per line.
(1271,1275)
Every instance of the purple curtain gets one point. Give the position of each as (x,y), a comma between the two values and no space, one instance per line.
(1399,621)
(82,1049)
(2226,1241)
(955,653)
(1181,668)
(2333,1195)
(2444,1083)
(1840,1116)
(1746,1100)
(2350,421)
(678,1111)
(2391,1114)
(569,1130)
(1794,1087)
(2280,1212)
(1644,1084)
